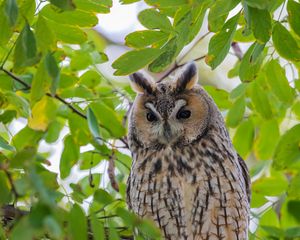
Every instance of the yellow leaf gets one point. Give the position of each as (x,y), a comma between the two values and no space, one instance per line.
(43,113)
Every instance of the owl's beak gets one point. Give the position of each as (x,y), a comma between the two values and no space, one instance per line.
(167,131)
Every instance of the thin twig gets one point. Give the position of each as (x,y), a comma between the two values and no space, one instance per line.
(237,50)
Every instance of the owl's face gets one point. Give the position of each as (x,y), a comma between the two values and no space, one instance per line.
(170,112)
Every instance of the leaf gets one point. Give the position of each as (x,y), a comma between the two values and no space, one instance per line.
(284,43)
(5,191)
(76,17)
(220,97)
(67,33)
(243,138)
(40,84)
(142,39)
(93,124)
(25,51)
(108,118)
(65,5)
(293,190)
(168,55)
(77,223)
(90,78)
(219,12)
(293,9)
(69,157)
(271,186)
(90,159)
(287,151)
(152,19)
(265,4)
(32,138)
(261,24)
(6,30)
(103,197)
(260,98)
(43,113)
(219,44)
(53,131)
(94,5)
(128,63)
(79,129)
(81,60)
(267,139)
(166,3)
(251,63)
(236,112)
(11,11)
(97,228)
(4,145)
(45,36)
(53,71)
(278,82)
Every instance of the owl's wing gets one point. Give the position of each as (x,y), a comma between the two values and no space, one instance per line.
(246,176)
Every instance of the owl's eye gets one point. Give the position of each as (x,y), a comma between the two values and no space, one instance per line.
(151,117)
(183,114)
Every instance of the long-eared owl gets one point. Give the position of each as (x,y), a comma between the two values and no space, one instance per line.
(185,176)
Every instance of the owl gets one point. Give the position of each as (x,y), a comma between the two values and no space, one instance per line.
(186,175)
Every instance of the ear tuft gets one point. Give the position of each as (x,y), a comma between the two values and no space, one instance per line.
(141,84)
(188,78)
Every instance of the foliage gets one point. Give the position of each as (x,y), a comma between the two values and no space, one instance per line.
(49,81)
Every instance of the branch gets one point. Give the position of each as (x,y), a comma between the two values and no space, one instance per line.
(237,50)
(111,170)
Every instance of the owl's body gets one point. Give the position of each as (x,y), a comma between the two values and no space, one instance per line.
(186,175)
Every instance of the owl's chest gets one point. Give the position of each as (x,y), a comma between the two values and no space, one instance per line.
(185,191)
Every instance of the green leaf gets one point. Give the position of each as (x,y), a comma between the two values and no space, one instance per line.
(90,78)
(93,124)
(284,43)
(219,12)
(145,38)
(251,62)
(260,4)
(243,138)
(97,228)
(128,63)
(294,187)
(94,5)
(67,33)
(278,82)
(293,9)
(77,17)
(77,223)
(53,131)
(32,138)
(90,159)
(220,97)
(236,112)
(219,44)
(292,233)
(267,139)
(103,197)
(40,84)
(11,11)
(271,186)
(152,19)
(4,145)
(81,60)
(166,3)
(65,5)
(108,118)
(287,151)
(53,71)
(69,157)
(79,129)
(6,30)
(261,24)
(260,98)
(25,51)
(168,55)
(45,36)
(5,191)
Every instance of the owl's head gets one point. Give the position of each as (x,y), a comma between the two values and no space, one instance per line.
(173,111)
